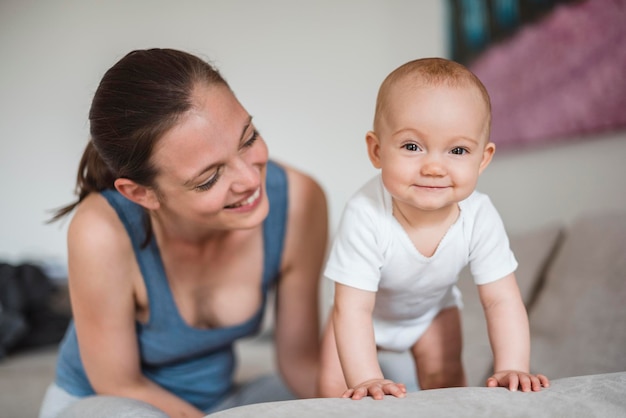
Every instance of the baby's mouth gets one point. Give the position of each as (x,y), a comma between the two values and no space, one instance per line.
(254,196)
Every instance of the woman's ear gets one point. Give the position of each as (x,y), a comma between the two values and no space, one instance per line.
(373,148)
(488,152)
(142,195)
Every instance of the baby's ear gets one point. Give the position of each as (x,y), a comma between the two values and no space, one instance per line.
(488,152)
(137,193)
(373,148)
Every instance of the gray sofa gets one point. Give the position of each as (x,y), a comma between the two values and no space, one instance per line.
(573,281)
(600,396)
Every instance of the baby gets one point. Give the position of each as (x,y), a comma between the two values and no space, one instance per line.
(407,233)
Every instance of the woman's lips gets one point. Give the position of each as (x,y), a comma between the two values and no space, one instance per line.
(251,199)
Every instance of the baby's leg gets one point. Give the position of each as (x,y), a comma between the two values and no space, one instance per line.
(332,383)
(438,352)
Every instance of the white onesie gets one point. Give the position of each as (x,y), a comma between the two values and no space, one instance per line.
(371,251)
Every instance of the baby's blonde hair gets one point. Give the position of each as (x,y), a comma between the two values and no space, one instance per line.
(432,72)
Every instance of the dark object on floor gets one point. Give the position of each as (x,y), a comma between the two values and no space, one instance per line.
(28,317)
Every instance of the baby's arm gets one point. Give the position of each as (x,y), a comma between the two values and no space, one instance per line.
(509,335)
(354,332)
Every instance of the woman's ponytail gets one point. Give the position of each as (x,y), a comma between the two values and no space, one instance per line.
(93,176)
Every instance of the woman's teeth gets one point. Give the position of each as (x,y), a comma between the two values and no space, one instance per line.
(249,200)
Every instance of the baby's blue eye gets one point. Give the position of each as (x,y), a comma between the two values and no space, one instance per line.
(411,147)
(459,151)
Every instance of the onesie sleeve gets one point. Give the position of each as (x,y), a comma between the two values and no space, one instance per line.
(490,256)
(355,258)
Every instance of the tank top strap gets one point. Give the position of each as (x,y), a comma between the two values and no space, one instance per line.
(274,225)
(133,216)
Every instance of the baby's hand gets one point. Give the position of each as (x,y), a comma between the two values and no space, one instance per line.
(377,389)
(514,379)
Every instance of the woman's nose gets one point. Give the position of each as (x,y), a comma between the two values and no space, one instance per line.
(246,176)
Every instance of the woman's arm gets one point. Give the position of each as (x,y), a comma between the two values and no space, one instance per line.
(297,314)
(101,271)
(509,335)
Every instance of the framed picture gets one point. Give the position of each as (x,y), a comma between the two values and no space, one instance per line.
(555,70)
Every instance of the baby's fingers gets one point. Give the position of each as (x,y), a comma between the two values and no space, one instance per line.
(348,393)
(514,381)
(543,380)
(377,392)
(508,380)
(359,393)
(396,389)
(528,382)
(538,381)
(531,382)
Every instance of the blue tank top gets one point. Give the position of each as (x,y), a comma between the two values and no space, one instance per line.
(195,364)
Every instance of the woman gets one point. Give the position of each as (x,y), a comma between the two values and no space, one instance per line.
(181,227)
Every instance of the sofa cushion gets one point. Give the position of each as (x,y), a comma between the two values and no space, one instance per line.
(578,324)
(581,396)
(533,250)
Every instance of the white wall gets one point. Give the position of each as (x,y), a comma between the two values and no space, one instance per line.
(558,184)
(308,72)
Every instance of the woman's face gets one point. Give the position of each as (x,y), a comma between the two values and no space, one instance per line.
(211,165)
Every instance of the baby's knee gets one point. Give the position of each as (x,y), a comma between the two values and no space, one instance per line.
(331,384)
(331,389)
(448,376)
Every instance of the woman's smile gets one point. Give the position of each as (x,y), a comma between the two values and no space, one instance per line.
(249,203)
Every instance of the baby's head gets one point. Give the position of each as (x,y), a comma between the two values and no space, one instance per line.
(431,133)
(428,73)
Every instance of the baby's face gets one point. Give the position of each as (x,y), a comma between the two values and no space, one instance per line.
(431,144)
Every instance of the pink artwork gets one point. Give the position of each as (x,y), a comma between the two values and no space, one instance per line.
(560,78)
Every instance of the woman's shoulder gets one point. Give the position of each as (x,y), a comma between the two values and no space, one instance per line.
(95,225)
(305,192)
(94,208)
(308,208)
(101,268)
(307,215)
